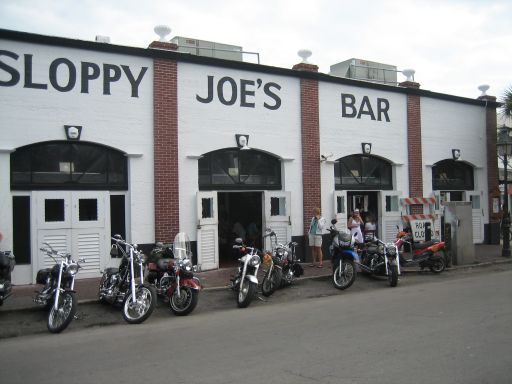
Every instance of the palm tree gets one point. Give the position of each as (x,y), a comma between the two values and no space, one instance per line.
(506,108)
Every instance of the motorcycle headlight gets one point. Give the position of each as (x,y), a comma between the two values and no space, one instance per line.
(391,250)
(255,260)
(186,265)
(72,269)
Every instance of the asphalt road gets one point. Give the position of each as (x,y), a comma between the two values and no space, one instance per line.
(448,328)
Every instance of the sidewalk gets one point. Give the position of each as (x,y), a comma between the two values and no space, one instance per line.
(87,289)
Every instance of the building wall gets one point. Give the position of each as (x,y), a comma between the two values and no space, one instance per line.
(119,115)
(342,136)
(208,126)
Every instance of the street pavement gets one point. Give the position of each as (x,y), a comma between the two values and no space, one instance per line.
(87,289)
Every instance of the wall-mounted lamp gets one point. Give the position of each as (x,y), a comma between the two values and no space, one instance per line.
(73,132)
(325,157)
(367,148)
(455,154)
(242,141)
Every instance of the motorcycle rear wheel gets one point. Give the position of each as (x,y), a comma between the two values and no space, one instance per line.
(185,303)
(393,275)
(145,300)
(438,265)
(246,292)
(59,319)
(344,278)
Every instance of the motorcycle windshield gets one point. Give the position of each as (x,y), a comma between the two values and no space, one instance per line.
(182,249)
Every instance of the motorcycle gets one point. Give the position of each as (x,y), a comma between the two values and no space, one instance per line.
(7,264)
(429,254)
(344,257)
(283,265)
(381,259)
(245,282)
(58,293)
(118,285)
(169,269)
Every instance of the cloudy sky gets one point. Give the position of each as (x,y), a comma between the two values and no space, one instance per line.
(454,45)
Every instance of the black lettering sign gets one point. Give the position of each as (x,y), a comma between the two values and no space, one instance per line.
(350,108)
(15,75)
(63,74)
(227,90)
(71,75)
(28,75)
(90,71)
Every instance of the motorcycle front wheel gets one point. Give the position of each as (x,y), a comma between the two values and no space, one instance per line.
(59,319)
(145,299)
(185,303)
(271,282)
(393,275)
(246,292)
(438,265)
(344,275)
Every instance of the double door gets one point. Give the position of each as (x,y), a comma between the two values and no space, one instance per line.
(75,222)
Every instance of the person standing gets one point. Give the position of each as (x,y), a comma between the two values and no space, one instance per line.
(316,229)
(355,222)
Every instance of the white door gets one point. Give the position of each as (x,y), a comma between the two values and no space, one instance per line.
(72,222)
(277,208)
(477,213)
(207,230)
(391,214)
(340,210)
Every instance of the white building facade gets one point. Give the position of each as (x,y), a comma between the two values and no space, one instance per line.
(100,139)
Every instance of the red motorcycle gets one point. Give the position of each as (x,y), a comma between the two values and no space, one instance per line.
(429,254)
(169,269)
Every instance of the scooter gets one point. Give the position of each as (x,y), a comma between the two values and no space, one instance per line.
(429,254)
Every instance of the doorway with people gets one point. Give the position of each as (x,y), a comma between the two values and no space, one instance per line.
(240,216)
(366,202)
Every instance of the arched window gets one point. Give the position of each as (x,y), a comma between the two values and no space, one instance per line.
(232,168)
(452,175)
(363,172)
(68,165)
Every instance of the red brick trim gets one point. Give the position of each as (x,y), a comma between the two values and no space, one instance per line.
(415,155)
(167,213)
(310,130)
(491,125)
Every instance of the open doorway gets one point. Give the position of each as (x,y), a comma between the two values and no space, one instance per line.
(240,215)
(366,201)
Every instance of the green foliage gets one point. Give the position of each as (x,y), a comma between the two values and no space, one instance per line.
(506,108)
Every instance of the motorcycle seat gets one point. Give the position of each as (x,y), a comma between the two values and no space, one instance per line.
(164,263)
(425,244)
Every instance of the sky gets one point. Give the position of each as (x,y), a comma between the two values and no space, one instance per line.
(453,45)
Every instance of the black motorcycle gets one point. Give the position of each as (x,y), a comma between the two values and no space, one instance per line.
(58,293)
(7,264)
(282,265)
(119,285)
(381,259)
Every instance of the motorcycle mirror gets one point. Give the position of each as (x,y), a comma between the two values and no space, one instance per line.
(334,221)
(118,237)
(238,240)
